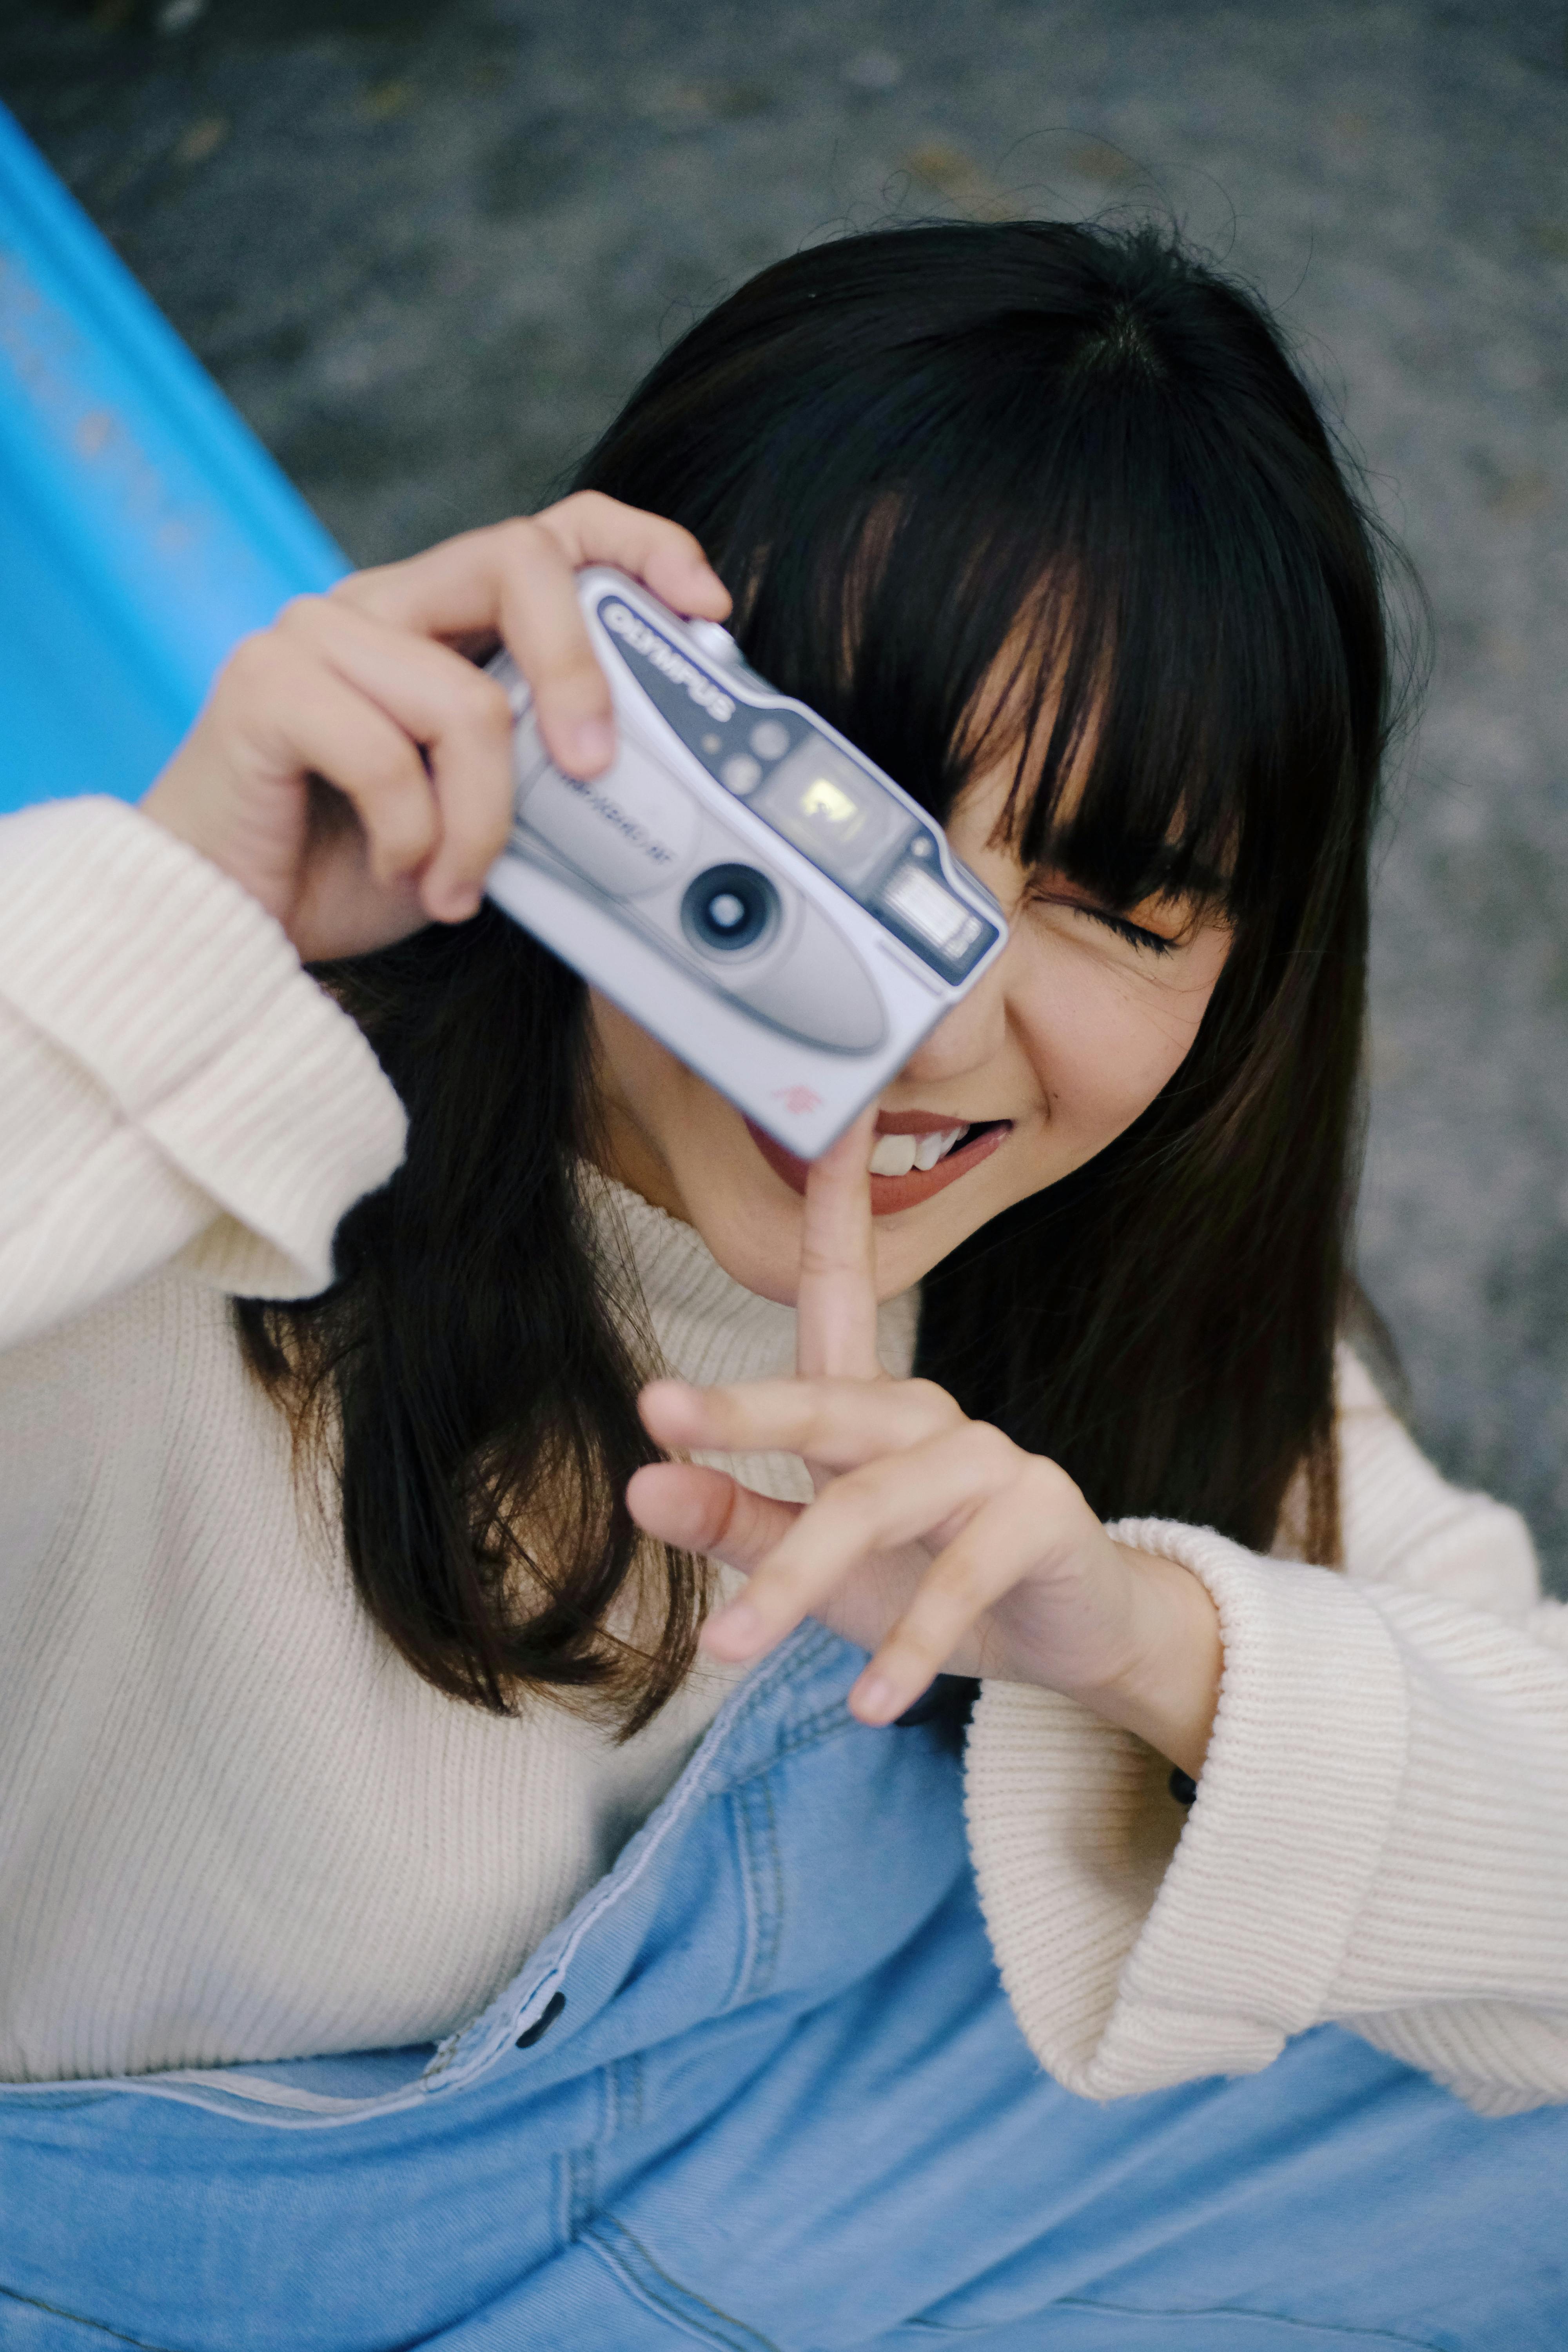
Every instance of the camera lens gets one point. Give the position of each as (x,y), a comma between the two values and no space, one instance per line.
(729,906)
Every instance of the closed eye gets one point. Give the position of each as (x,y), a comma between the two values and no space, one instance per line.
(1132,932)
(1148,942)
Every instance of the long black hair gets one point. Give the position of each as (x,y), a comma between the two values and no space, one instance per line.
(1079,462)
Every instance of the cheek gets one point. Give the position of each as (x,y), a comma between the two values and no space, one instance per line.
(640,1080)
(1102,1042)
(633,1068)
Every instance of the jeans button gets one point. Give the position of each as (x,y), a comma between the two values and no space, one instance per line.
(543,2022)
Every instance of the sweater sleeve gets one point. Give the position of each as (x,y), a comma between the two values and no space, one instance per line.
(1380,1836)
(175,1084)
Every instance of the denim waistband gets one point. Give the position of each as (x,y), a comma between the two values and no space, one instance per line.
(793,1703)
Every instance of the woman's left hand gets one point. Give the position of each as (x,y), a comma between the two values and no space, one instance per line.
(934,1541)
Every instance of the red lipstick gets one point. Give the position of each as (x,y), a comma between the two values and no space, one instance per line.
(892,1193)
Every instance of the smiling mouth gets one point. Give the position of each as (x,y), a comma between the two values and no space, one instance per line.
(917,1154)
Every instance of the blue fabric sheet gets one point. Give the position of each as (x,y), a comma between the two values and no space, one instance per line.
(143,529)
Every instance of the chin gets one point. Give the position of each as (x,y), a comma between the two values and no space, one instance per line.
(746,1217)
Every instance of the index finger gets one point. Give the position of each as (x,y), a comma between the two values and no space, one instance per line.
(836,1306)
(457,589)
(590,528)
(515,580)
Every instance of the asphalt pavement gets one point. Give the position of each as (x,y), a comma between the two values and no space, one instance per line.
(427,245)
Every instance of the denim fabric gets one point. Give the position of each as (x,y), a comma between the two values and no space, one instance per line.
(771,2096)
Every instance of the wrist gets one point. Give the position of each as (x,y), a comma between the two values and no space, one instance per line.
(184,815)
(1168,1692)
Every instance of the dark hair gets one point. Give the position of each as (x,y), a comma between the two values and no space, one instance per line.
(923,458)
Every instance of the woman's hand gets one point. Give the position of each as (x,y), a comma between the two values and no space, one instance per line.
(352,767)
(934,1541)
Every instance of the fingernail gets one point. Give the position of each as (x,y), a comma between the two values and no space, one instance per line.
(738,1628)
(875,1700)
(592,742)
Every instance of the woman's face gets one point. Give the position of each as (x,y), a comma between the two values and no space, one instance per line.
(1071,1035)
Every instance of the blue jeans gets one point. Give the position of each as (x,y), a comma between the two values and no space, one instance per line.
(763,2089)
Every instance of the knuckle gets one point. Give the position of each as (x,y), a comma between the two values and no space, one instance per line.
(713,1520)
(517,536)
(574,675)
(857,1489)
(960,1581)
(302,615)
(473,705)
(356,587)
(935,1401)
(685,542)
(254,661)
(725,1412)
(487,707)
(857,1497)
(391,761)
(991,1449)
(919,1643)
(373,595)
(1049,1487)
(395,778)
(587,502)
(267,669)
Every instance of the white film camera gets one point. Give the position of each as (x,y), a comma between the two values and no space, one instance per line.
(741,880)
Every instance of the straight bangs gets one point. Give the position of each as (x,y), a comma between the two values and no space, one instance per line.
(1075,538)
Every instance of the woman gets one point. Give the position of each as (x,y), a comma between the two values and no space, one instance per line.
(358,1619)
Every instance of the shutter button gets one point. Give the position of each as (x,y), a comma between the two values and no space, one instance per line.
(716,642)
(543,2022)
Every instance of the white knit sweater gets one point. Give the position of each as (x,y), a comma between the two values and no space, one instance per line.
(233,1825)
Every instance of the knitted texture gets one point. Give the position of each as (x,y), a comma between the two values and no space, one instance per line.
(193,1070)
(1379,1835)
(233,1825)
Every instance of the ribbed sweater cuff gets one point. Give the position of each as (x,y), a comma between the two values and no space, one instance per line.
(187,1004)
(1140,1950)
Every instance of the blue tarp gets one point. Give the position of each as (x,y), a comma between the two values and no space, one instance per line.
(144,529)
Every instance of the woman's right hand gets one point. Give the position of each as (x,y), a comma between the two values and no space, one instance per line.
(352,767)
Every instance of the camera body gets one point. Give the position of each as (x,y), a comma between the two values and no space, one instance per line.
(741,880)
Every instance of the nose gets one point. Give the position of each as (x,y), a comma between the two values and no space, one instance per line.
(969,1036)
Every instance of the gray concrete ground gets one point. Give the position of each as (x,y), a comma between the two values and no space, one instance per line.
(427,244)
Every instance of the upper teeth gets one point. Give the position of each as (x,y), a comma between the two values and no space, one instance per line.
(896,1155)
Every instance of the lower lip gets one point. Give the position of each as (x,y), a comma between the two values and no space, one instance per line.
(890,1193)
